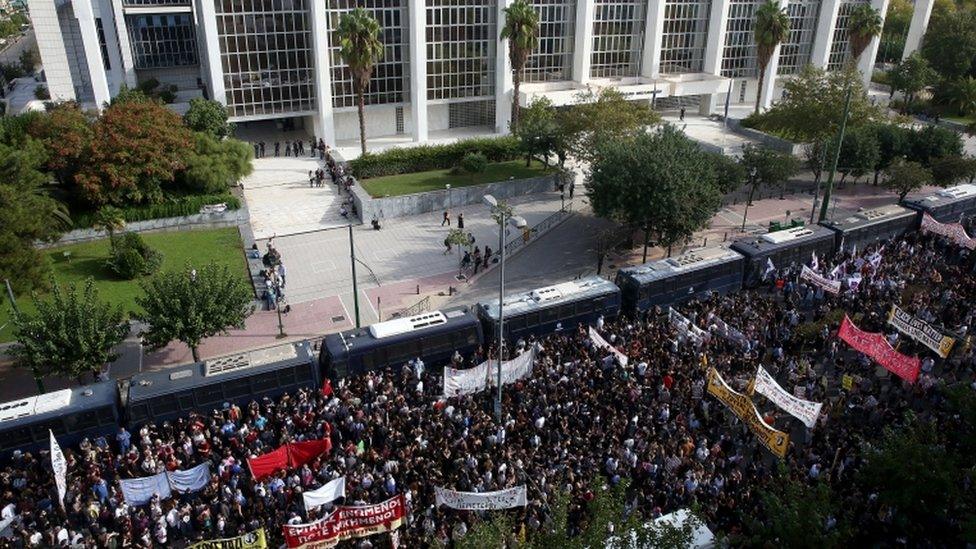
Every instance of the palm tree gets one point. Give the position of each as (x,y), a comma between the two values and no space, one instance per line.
(962,95)
(863,25)
(360,49)
(772,26)
(522,32)
(109,219)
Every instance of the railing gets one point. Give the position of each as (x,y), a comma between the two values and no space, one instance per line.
(421,306)
(540,228)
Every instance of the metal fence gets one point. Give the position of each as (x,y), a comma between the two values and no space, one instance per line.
(530,233)
(421,306)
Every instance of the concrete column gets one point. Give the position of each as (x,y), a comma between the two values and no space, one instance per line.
(418,68)
(653,40)
(324,123)
(125,48)
(504,89)
(583,48)
(211,50)
(116,74)
(866,63)
(93,52)
(825,33)
(769,85)
(717,24)
(920,22)
(50,44)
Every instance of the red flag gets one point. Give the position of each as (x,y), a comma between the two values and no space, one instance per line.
(876,346)
(300,453)
(266,465)
(327,387)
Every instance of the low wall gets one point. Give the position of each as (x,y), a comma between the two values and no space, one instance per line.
(770,141)
(187,222)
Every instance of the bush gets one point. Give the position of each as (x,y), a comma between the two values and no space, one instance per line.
(167,96)
(130,257)
(474,163)
(172,207)
(148,86)
(434,157)
(40,92)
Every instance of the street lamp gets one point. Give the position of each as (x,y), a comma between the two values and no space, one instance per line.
(504,214)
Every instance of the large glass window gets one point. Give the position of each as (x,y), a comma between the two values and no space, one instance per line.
(266,53)
(840,46)
(461,42)
(552,61)
(739,53)
(796,49)
(391,76)
(685,35)
(155,2)
(162,40)
(618,38)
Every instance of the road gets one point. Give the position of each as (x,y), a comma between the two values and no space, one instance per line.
(11,54)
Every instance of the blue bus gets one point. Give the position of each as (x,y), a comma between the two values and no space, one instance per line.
(691,275)
(793,246)
(868,227)
(949,205)
(553,308)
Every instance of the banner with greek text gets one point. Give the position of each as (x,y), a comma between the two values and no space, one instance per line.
(513,370)
(601,343)
(481,501)
(953,231)
(250,540)
(717,325)
(826,284)
(921,331)
(686,328)
(803,410)
(60,468)
(483,376)
(775,441)
(347,522)
(877,347)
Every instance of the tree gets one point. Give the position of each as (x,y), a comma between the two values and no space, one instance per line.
(360,49)
(109,219)
(950,169)
(600,118)
(892,142)
(912,76)
(794,514)
(858,153)
(961,95)
(459,239)
(765,167)
(863,25)
(522,32)
(950,44)
(772,27)
(214,164)
(905,176)
(933,142)
(29,58)
(209,117)
(71,334)
(661,182)
(190,305)
(896,23)
(729,173)
(538,130)
(66,133)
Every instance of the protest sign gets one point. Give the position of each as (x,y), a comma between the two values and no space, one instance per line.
(347,522)
(921,331)
(828,285)
(775,441)
(479,501)
(876,346)
(804,410)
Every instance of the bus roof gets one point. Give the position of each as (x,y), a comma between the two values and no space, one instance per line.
(392,330)
(753,246)
(28,410)
(866,218)
(942,197)
(687,262)
(548,296)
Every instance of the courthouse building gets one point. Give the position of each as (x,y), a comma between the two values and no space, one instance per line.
(444,66)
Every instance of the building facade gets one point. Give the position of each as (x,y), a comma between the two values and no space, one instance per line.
(443,68)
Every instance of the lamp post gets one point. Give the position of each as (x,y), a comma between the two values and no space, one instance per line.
(503,214)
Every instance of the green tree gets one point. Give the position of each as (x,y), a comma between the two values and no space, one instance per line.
(109,219)
(912,76)
(521,29)
(66,133)
(948,170)
(863,25)
(71,334)
(538,131)
(905,176)
(29,58)
(208,116)
(729,173)
(859,153)
(896,24)
(493,532)
(360,49)
(772,27)
(794,514)
(950,43)
(459,239)
(961,95)
(765,167)
(892,142)
(661,182)
(214,164)
(191,305)
(601,118)
(933,142)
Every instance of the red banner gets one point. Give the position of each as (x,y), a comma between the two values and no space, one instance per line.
(289,456)
(876,346)
(346,523)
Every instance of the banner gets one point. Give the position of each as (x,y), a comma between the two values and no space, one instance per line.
(60,468)
(601,343)
(953,231)
(775,441)
(482,376)
(138,491)
(332,491)
(481,501)
(876,346)
(347,523)
(686,328)
(190,480)
(803,410)
(921,331)
(289,456)
(827,285)
(717,325)
(513,370)
(250,540)
(300,453)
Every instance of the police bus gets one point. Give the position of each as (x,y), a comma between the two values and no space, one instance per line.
(691,275)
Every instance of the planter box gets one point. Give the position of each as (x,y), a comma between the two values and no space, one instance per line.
(770,141)
(226,218)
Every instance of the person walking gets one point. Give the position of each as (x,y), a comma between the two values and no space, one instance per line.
(460,220)
(681,114)
(487,256)
(572,188)
(476,258)
(262,148)
(447,218)
(287,148)
(277,149)
(311,179)
(447,246)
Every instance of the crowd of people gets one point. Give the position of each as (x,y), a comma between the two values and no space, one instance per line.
(292,148)
(581,416)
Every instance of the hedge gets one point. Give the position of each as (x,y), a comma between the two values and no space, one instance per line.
(171,207)
(433,157)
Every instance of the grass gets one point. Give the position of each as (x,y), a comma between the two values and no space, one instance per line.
(222,246)
(418,182)
(964,120)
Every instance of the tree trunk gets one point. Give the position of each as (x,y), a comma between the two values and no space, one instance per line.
(195,352)
(362,119)
(647,237)
(516,84)
(762,78)
(745,212)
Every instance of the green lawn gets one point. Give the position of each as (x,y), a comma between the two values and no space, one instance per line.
(418,182)
(964,120)
(86,260)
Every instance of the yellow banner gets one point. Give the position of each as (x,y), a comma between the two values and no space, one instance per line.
(775,441)
(250,540)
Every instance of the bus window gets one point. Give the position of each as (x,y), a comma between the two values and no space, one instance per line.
(236,388)
(264,382)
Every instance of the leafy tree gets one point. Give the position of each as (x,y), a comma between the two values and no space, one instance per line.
(109,219)
(66,133)
(459,239)
(601,118)
(912,76)
(950,169)
(950,43)
(474,162)
(522,32)
(893,142)
(136,147)
(905,176)
(495,532)
(191,305)
(538,130)
(961,95)
(765,167)
(360,49)
(661,182)
(214,164)
(794,514)
(29,58)
(130,95)
(933,142)
(863,25)
(71,334)
(209,117)
(130,257)
(771,28)
(896,23)
(858,153)
(729,173)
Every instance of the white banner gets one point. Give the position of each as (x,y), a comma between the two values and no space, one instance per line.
(480,501)
(921,331)
(601,343)
(828,285)
(717,325)
(190,480)
(60,467)
(326,494)
(686,328)
(515,369)
(803,410)
(138,491)
(953,231)
(482,376)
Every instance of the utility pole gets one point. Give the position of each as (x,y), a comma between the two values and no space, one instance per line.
(833,167)
(816,187)
(355,288)
(13,303)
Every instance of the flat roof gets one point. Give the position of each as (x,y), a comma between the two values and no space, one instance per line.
(685,263)
(771,242)
(57,403)
(548,296)
(337,343)
(940,197)
(865,218)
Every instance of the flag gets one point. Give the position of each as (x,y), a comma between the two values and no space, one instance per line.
(326,494)
(60,468)
(854,251)
(327,387)
(769,267)
(875,258)
(268,464)
(814,264)
(839,271)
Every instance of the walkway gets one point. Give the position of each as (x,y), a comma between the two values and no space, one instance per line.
(712,134)
(350,148)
